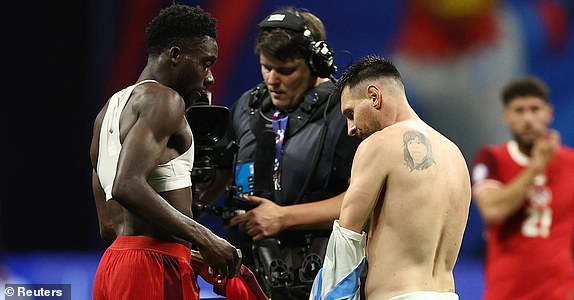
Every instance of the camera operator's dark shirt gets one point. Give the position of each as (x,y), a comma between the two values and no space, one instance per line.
(301,147)
(331,175)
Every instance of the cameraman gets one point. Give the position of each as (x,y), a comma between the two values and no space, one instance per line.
(294,159)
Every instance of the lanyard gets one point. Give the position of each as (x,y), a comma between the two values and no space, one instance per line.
(279,126)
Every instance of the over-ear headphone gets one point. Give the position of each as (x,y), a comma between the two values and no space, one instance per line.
(321,61)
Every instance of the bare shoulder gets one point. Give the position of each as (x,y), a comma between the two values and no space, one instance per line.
(157,96)
(158,106)
(413,144)
(393,137)
(385,149)
(383,141)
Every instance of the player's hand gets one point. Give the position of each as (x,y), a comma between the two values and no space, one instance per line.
(223,259)
(200,267)
(544,149)
(265,219)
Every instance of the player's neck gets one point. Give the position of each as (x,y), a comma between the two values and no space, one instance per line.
(406,113)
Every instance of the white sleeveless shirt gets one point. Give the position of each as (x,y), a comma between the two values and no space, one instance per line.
(172,175)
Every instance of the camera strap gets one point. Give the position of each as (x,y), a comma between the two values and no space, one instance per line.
(270,138)
(279,123)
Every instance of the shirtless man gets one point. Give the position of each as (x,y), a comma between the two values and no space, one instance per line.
(142,157)
(409,184)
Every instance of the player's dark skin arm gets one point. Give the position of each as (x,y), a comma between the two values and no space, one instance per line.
(159,117)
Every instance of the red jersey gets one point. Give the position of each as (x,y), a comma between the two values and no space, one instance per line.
(529,256)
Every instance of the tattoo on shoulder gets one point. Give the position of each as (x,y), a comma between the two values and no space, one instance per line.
(417,151)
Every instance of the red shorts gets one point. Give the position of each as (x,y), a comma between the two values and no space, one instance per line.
(138,267)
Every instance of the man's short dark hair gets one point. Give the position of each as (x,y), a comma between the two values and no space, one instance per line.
(524,87)
(286,44)
(369,67)
(178,24)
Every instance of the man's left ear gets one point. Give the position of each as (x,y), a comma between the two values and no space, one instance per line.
(376,102)
(174,53)
(374,96)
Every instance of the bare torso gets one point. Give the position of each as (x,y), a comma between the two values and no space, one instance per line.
(124,221)
(418,219)
(417,226)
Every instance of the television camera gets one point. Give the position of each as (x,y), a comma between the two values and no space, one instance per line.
(214,146)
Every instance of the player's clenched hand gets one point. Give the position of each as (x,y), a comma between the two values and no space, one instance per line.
(223,259)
